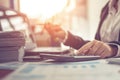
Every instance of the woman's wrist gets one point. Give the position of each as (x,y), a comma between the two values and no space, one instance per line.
(114,50)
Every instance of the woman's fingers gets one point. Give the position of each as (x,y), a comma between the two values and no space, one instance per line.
(96,48)
(85,49)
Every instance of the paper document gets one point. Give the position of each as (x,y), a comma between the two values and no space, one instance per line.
(66,71)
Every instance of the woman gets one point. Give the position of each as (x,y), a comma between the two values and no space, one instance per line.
(107,39)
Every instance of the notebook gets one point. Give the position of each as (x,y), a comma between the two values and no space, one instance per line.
(44,50)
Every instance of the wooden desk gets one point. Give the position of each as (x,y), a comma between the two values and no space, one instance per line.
(4,72)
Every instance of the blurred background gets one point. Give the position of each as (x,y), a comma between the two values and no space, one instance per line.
(81,17)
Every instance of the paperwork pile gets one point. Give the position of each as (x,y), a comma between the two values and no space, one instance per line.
(11,46)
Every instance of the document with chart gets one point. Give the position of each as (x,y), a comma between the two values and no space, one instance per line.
(92,70)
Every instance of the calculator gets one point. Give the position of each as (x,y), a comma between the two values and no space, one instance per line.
(67,57)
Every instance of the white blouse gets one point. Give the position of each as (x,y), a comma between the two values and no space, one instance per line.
(111,26)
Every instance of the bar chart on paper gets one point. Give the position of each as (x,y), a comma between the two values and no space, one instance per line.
(66,71)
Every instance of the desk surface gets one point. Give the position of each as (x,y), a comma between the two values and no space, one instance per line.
(5,72)
(8,67)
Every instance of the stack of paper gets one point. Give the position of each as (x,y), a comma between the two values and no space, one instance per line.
(11,46)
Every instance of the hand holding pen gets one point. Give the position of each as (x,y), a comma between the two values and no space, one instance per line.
(55,31)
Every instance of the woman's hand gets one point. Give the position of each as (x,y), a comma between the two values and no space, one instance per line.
(96,48)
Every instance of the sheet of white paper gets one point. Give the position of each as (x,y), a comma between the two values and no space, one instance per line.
(67,71)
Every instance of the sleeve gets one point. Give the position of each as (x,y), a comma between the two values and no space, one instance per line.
(117,44)
(74,41)
(118,52)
